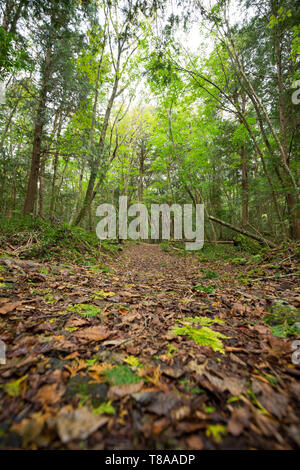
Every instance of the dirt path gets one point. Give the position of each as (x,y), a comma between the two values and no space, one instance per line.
(93,360)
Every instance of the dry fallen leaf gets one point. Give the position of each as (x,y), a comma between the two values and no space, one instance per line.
(239,420)
(9,307)
(195,442)
(120,391)
(78,424)
(50,394)
(92,333)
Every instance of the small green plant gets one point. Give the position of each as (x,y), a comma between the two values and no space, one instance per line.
(165,246)
(282,331)
(190,387)
(105,408)
(247,244)
(208,274)
(240,261)
(207,289)
(203,336)
(283,319)
(255,259)
(101,294)
(133,361)
(49,299)
(171,350)
(99,267)
(44,270)
(13,388)
(87,310)
(210,409)
(216,431)
(121,375)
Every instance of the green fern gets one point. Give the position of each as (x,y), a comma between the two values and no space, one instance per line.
(203,336)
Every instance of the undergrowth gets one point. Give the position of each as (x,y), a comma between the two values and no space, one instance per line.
(38,238)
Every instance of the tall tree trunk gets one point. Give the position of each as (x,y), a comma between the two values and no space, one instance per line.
(32,186)
(41,184)
(244,187)
(92,189)
(55,168)
(141,170)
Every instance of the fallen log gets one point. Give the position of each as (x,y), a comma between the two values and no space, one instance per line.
(258,238)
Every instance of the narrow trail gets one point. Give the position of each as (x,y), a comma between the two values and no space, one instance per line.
(93,355)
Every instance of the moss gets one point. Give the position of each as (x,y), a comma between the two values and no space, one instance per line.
(121,375)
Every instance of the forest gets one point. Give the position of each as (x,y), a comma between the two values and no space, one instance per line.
(137,343)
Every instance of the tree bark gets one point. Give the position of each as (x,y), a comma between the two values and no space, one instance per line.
(32,186)
(244,187)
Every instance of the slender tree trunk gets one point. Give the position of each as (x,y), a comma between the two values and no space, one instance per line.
(141,171)
(41,184)
(92,189)
(55,169)
(32,186)
(244,187)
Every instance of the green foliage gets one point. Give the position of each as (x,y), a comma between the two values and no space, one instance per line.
(12,56)
(49,299)
(283,319)
(49,239)
(208,274)
(203,336)
(212,252)
(13,388)
(282,331)
(207,289)
(105,408)
(203,321)
(216,431)
(240,261)
(121,375)
(133,361)
(171,350)
(165,246)
(86,310)
(247,244)
(210,409)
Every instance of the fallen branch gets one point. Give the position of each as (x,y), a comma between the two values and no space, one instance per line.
(273,277)
(243,232)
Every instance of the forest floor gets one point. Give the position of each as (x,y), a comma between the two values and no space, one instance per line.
(93,361)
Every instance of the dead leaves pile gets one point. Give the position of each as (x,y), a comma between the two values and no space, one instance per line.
(118,377)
